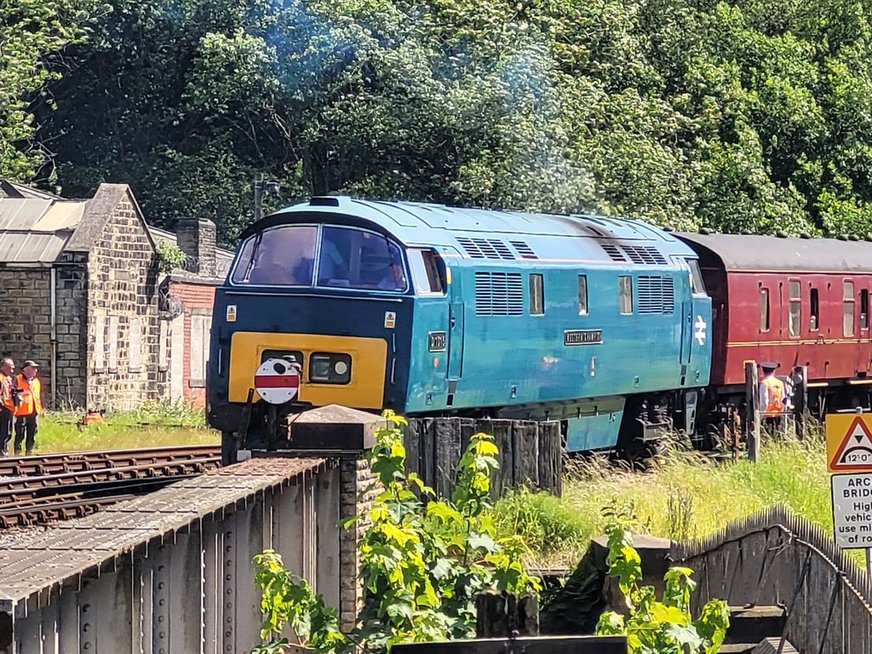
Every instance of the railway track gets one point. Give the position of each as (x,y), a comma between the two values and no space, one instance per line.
(40,489)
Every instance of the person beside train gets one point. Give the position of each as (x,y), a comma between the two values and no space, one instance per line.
(29,407)
(8,400)
(772,394)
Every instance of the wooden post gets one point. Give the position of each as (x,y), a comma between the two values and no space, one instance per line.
(503,615)
(800,399)
(752,412)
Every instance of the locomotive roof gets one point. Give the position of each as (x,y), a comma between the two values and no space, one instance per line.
(414,223)
(772,253)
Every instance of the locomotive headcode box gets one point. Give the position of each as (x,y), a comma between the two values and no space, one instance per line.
(852,510)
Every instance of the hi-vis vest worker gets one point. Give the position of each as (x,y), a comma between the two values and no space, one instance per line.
(31,396)
(771,390)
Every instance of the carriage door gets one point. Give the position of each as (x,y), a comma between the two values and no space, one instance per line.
(455,331)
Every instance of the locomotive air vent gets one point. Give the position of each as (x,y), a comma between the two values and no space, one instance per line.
(656,294)
(524,250)
(485,248)
(644,254)
(613,251)
(498,294)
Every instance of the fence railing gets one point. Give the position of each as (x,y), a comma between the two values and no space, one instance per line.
(776,557)
(530,453)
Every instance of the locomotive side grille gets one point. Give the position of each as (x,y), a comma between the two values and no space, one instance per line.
(656,294)
(524,250)
(471,248)
(644,254)
(501,248)
(499,294)
(613,252)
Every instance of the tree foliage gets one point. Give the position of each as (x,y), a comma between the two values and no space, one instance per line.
(422,560)
(751,115)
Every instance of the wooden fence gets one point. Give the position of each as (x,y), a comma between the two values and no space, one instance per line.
(775,558)
(531,452)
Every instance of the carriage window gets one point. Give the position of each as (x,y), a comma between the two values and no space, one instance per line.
(795,309)
(814,310)
(864,309)
(626,289)
(848,308)
(537,295)
(764,309)
(582,295)
(427,272)
(279,256)
(355,258)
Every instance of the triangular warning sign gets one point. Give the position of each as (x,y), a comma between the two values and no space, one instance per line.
(855,450)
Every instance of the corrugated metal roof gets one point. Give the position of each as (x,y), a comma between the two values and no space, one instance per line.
(746,252)
(35,230)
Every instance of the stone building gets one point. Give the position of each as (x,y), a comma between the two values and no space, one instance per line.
(81,293)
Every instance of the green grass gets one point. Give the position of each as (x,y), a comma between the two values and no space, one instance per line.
(152,425)
(683,496)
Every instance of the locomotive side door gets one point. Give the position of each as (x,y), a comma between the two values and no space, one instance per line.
(455,328)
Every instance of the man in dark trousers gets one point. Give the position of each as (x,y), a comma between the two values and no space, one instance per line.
(7,403)
(28,408)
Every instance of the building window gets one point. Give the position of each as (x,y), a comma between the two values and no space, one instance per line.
(864,309)
(134,356)
(814,310)
(537,295)
(199,356)
(764,309)
(848,308)
(113,343)
(795,309)
(625,284)
(99,342)
(582,295)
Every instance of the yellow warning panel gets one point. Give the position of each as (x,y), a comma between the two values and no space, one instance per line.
(849,442)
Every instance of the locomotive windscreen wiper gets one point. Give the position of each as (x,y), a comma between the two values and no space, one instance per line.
(257,240)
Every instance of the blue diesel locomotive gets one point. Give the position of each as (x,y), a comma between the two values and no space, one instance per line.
(429,310)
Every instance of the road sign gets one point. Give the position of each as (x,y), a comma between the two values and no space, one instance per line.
(277,380)
(849,442)
(852,509)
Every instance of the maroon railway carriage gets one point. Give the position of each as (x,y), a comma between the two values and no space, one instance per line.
(794,301)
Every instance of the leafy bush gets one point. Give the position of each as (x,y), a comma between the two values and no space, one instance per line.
(659,627)
(423,560)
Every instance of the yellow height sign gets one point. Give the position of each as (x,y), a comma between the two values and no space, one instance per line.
(849,442)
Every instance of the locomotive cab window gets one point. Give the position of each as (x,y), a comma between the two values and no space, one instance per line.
(625,286)
(279,256)
(537,295)
(794,317)
(864,309)
(428,272)
(582,295)
(813,310)
(764,309)
(357,258)
(697,285)
(848,308)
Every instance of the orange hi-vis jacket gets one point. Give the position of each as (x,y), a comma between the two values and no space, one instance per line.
(771,395)
(31,396)
(6,396)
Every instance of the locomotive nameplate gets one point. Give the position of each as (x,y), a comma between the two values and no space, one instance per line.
(582,336)
(437,341)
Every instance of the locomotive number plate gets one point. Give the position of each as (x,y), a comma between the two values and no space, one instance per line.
(582,336)
(437,342)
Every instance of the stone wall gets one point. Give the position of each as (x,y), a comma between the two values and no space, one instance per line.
(122,313)
(357,488)
(25,318)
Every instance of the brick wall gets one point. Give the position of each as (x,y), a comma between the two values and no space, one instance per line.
(197,299)
(123,302)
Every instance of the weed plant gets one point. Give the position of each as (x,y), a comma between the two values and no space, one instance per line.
(683,495)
